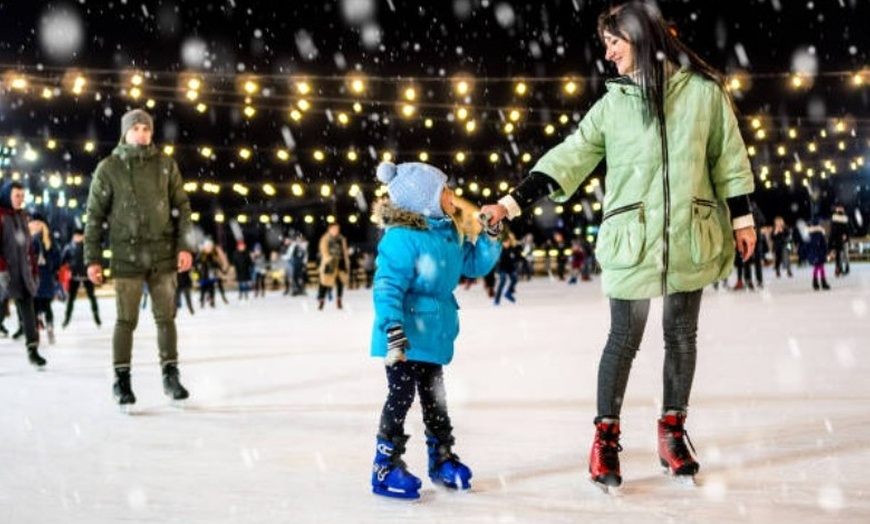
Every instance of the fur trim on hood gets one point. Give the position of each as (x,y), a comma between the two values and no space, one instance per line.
(388,214)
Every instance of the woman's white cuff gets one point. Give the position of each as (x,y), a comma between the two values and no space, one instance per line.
(742,222)
(513,209)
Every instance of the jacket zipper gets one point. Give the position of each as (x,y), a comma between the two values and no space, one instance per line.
(622,209)
(705,202)
(666,224)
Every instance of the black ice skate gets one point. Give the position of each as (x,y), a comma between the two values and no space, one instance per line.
(676,452)
(604,456)
(122,391)
(172,385)
(35,358)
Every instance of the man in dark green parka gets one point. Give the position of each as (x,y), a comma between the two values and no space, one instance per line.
(137,202)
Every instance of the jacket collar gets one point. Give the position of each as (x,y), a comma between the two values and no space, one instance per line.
(626,84)
(128,152)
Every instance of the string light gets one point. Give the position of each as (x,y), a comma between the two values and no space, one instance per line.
(79,81)
(303,88)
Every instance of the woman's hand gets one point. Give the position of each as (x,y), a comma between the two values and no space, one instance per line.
(745,239)
(496,212)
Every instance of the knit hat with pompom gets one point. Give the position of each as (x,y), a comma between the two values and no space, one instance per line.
(414,186)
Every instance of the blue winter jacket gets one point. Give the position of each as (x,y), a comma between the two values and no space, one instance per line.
(419,263)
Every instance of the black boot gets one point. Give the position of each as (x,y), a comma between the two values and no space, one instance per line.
(171,384)
(122,391)
(815,283)
(825,285)
(604,455)
(676,452)
(35,358)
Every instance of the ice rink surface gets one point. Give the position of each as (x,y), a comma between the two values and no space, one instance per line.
(285,402)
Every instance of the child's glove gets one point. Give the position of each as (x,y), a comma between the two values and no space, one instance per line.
(397,343)
(490,230)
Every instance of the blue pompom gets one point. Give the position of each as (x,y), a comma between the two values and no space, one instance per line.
(386,172)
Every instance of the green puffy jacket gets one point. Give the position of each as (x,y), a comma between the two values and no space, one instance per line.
(663,231)
(137,197)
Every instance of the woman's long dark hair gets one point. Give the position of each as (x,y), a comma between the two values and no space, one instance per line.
(655,46)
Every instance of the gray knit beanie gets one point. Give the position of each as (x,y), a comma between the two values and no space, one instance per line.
(133,117)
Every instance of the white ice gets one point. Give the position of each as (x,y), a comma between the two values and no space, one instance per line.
(285,404)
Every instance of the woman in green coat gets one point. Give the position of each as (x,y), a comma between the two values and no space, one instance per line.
(675,205)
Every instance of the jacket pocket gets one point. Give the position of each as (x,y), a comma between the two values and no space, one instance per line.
(621,237)
(706,235)
(429,321)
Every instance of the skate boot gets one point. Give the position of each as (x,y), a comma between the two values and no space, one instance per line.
(35,358)
(815,283)
(171,384)
(444,466)
(676,452)
(604,456)
(825,285)
(390,476)
(122,391)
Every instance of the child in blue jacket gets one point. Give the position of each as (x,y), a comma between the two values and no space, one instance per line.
(421,257)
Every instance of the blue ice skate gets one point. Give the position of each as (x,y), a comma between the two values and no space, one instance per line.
(390,476)
(444,466)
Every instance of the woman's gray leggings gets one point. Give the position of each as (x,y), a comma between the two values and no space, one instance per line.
(627,323)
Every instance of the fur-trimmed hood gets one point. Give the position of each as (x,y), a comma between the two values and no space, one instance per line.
(387,214)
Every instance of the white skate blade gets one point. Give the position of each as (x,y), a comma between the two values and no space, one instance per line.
(126,409)
(686,480)
(683,480)
(614,491)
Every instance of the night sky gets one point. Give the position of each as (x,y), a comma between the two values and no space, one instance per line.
(396,44)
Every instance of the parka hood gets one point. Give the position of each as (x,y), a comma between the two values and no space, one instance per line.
(388,214)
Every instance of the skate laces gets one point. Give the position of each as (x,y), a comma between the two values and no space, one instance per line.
(609,448)
(679,437)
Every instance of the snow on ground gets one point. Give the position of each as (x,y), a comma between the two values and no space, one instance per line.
(285,404)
